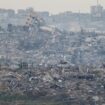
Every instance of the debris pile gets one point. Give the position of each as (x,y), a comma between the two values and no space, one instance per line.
(78,86)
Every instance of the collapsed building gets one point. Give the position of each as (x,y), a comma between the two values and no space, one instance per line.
(39,43)
(39,60)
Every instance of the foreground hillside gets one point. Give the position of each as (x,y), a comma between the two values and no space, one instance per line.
(53,85)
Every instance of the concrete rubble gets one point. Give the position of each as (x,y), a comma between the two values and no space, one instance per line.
(77,85)
(39,60)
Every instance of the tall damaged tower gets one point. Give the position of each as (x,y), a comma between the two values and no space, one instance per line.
(97,11)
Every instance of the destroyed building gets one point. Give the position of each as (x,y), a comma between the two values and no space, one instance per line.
(40,59)
(41,43)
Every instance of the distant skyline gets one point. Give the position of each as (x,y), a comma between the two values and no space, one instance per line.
(53,6)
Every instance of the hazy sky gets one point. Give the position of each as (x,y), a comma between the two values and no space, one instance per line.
(53,6)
